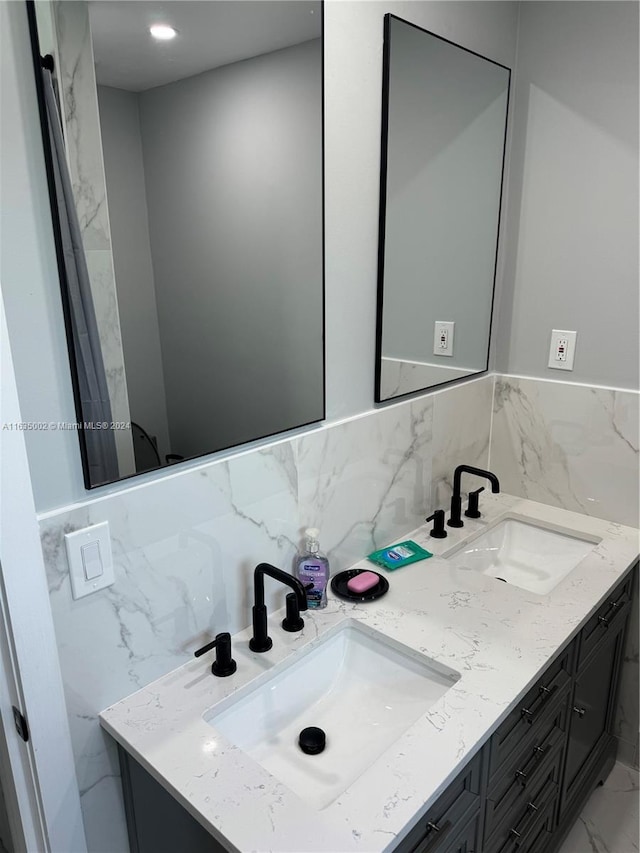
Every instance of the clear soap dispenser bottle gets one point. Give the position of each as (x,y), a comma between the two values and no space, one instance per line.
(312,567)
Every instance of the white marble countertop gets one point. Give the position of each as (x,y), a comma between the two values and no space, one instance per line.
(499,637)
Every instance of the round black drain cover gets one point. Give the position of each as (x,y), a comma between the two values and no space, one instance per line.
(312,740)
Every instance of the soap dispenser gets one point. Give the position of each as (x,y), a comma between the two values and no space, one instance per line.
(312,570)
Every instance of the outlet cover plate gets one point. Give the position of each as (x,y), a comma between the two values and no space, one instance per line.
(443,337)
(562,349)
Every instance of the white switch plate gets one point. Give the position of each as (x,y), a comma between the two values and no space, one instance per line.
(90,560)
(562,349)
(443,337)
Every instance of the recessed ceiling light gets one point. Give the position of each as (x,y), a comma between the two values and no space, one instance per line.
(162,32)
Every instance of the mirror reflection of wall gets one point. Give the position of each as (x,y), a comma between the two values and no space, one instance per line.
(196,165)
(445,112)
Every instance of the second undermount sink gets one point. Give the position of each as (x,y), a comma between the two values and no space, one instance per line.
(363,689)
(525,554)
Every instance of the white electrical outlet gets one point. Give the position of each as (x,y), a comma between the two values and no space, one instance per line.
(562,349)
(443,337)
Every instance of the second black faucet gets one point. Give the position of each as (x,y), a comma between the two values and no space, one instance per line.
(455,519)
(261,641)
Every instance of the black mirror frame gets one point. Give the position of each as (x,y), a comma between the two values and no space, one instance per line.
(386,60)
(40,62)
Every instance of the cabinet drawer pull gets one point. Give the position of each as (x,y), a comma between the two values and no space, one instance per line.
(430,842)
(515,833)
(520,775)
(615,604)
(579,711)
(539,750)
(544,693)
(603,621)
(532,807)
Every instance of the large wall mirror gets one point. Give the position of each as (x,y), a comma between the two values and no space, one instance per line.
(186,170)
(443,141)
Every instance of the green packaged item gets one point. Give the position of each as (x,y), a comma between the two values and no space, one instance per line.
(399,555)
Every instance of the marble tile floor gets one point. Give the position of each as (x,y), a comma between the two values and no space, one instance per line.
(609,821)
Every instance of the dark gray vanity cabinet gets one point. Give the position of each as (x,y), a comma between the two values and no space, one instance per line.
(591,746)
(156,821)
(453,824)
(546,757)
(589,712)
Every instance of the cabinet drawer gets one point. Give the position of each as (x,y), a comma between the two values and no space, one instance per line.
(435,831)
(522,721)
(522,772)
(543,831)
(520,828)
(609,615)
(461,837)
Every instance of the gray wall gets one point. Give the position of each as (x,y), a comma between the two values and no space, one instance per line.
(124,170)
(353,81)
(572,233)
(235,222)
(447,116)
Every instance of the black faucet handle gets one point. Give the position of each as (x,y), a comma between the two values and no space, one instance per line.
(224,664)
(472,510)
(293,622)
(438,531)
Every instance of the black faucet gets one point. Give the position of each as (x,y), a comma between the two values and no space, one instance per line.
(455,519)
(224,664)
(438,531)
(261,641)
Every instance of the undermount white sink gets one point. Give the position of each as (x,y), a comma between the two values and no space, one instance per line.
(362,688)
(522,553)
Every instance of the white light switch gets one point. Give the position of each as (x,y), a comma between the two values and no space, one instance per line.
(443,337)
(562,349)
(90,560)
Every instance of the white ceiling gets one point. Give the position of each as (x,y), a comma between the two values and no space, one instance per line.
(210,33)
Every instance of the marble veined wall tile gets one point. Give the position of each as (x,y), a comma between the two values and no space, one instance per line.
(77,84)
(184,551)
(576,447)
(461,429)
(185,547)
(103,290)
(366,481)
(572,446)
(76,74)
(404,377)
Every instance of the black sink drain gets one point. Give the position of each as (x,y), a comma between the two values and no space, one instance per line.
(312,740)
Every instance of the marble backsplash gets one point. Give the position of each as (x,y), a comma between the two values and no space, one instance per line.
(573,446)
(185,547)
(404,377)
(576,446)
